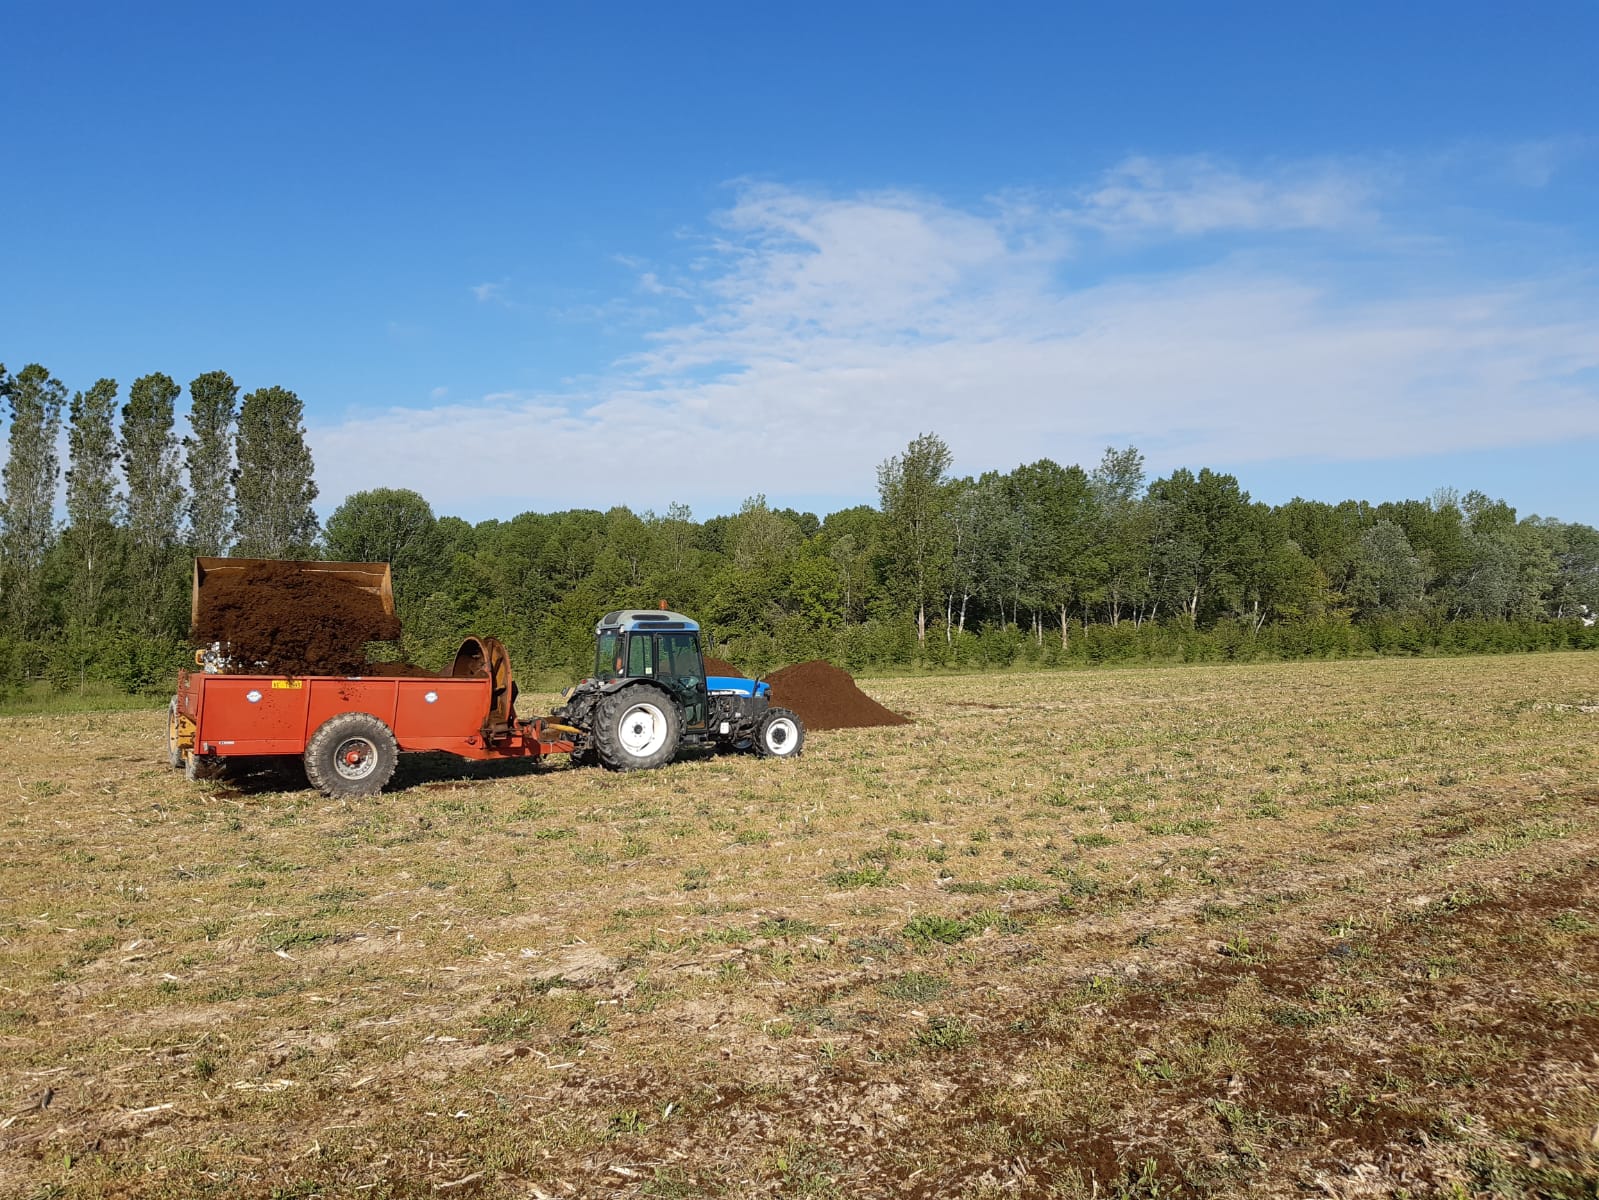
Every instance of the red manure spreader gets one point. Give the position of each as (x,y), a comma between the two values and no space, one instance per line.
(647,699)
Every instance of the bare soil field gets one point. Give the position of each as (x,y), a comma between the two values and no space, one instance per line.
(1307,929)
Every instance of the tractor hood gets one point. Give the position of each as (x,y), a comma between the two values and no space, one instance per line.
(734,684)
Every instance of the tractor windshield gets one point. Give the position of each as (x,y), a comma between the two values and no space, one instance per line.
(608,662)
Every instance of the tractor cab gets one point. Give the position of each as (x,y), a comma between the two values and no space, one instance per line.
(660,646)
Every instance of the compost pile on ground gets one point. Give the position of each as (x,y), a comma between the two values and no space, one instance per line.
(715,666)
(283,620)
(825,697)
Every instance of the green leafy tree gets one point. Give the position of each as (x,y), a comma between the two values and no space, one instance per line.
(1123,528)
(1291,586)
(914,492)
(1436,529)
(208,457)
(678,530)
(999,549)
(1056,506)
(392,525)
(851,539)
(155,497)
(34,400)
(1202,523)
(1329,534)
(1390,578)
(274,484)
(1574,590)
(395,526)
(92,501)
(752,586)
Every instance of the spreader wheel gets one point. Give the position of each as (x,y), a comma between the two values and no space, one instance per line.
(636,729)
(780,734)
(352,754)
(197,767)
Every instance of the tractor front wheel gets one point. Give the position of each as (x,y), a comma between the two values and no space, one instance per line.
(780,734)
(351,755)
(636,729)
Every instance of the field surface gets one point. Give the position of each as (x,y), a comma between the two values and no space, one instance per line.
(1313,929)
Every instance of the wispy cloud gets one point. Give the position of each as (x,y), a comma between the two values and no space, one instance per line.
(492,293)
(1197,195)
(817,333)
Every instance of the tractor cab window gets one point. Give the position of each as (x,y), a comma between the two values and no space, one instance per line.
(640,656)
(608,662)
(679,655)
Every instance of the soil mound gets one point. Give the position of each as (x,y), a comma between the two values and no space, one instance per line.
(281,620)
(715,666)
(825,697)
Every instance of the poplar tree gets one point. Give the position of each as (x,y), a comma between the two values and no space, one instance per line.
(208,456)
(92,499)
(34,401)
(1118,484)
(273,481)
(915,495)
(155,498)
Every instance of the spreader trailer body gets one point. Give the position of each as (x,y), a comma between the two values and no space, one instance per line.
(648,698)
(349,731)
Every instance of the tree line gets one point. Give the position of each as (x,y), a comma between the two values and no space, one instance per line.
(104,594)
(1044,564)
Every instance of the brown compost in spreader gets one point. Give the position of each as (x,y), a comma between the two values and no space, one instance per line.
(825,697)
(398,670)
(282,620)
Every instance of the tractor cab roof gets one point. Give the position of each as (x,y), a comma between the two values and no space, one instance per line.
(646,620)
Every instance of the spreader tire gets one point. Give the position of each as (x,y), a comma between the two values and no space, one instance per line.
(780,734)
(636,729)
(197,767)
(352,754)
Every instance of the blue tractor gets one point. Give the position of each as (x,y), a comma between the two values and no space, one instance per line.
(649,697)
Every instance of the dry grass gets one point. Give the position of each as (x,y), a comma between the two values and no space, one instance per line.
(1327,928)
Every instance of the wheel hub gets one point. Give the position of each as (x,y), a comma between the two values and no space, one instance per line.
(356,758)
(778,735)
(642,730)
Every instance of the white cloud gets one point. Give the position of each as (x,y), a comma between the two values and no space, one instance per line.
(1197,195)
(823,332)
(490,293)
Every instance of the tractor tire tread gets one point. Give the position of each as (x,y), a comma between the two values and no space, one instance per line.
(319,752)
(763,748)
(613,756)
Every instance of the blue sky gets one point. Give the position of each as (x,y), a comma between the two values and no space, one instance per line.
(528,256)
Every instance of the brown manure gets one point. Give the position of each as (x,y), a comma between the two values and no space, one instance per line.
(398,670)
(281,620)
(825,697)
(717,666)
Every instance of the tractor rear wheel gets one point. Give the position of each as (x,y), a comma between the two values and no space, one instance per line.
(352,754)
(780,734)
(636,729)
